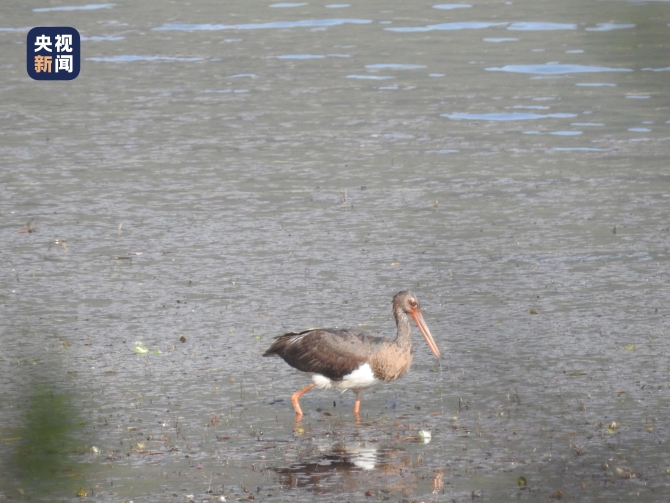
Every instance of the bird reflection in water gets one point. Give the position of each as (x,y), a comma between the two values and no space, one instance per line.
(373,471)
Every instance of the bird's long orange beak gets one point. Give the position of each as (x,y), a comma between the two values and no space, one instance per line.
(423,328)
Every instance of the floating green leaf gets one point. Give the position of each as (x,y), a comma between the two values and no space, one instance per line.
(629,347)
(522,481)
(141,349)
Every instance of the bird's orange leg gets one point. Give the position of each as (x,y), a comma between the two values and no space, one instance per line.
(357,404)
(295,398)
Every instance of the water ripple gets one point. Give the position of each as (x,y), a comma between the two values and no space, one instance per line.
(301,56)
(532,107)
(131,58)
(516,116)
(595,84)
(371,77)
(501,39)
(535,26)
(93,6)
(96,38)
(305,23)
(466,25)
(451,6)
(395,66)
(578,149)
(610,26)
(555,68)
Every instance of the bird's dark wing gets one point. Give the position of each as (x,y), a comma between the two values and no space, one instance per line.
(332,353)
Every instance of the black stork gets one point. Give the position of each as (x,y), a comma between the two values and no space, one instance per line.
(351,359)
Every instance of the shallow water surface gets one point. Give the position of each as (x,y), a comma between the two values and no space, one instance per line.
(219,175)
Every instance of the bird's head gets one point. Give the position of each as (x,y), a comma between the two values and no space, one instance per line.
(406,303)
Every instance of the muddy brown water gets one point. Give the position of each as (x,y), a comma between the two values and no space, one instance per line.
(227,173)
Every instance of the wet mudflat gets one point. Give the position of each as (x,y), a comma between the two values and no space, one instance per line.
(218,175)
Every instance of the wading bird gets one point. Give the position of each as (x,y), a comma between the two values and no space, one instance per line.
(351,359)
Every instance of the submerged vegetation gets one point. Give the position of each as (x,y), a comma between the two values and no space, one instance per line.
(43,460)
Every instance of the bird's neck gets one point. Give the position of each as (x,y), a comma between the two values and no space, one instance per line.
(404,337)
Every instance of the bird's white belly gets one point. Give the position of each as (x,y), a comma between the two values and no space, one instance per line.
(360,378)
